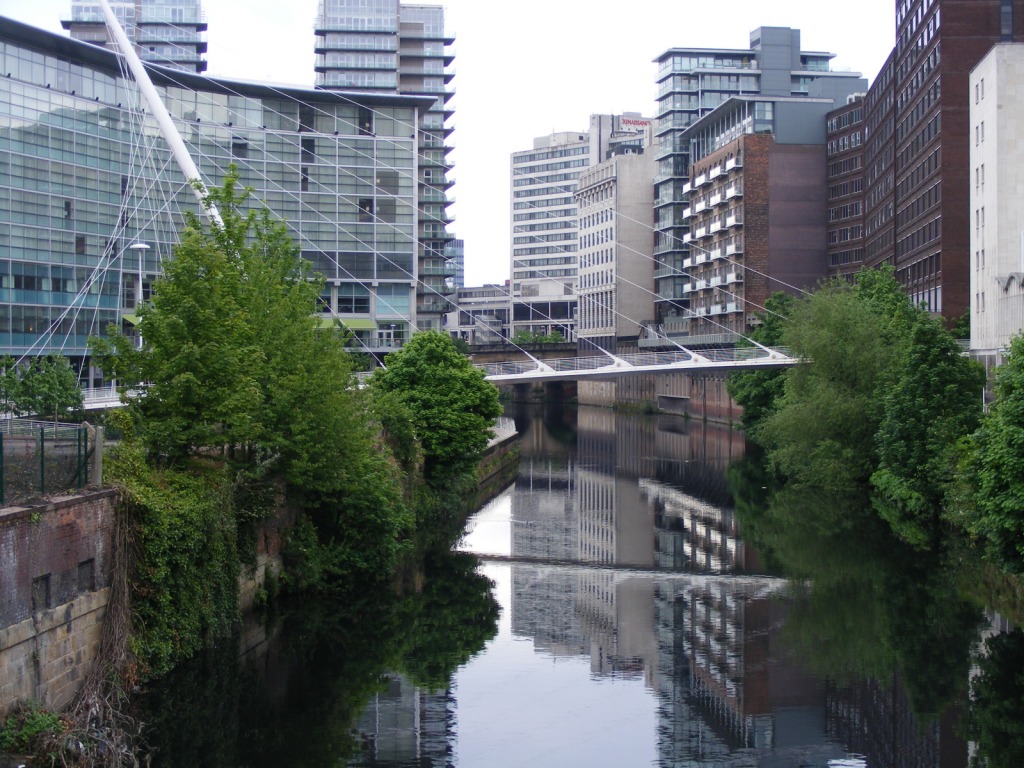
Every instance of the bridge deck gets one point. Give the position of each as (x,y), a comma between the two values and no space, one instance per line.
(609,367)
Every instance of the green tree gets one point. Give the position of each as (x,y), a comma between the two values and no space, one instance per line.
(48,386)
(451,405)
(10,384)
(995,468)
(933,402)
(757,391)
(822,430)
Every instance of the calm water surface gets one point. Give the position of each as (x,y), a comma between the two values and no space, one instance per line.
(606,611)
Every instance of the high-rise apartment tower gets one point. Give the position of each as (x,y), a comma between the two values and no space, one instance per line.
(385,46)
(167,32)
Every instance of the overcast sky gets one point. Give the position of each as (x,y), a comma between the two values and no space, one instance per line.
(527,68)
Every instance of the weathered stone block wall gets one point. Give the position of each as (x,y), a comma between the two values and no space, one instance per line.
(54,585)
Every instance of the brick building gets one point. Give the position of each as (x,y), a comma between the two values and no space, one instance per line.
(917,140)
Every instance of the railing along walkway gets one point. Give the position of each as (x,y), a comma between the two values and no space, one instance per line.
(608,366)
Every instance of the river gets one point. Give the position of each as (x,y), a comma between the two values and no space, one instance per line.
(605,610)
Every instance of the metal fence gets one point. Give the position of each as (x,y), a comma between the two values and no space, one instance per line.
(40,458)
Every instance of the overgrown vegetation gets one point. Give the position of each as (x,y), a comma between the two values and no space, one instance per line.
(243,403)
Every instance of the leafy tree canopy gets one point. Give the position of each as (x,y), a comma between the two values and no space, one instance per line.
(451,405)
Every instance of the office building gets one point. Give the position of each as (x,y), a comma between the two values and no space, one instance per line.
(167,32)
(918,176)
(691,83)
(85,176)
(997,201)
(383,46)
(545,236)
(844,133)
(616,265)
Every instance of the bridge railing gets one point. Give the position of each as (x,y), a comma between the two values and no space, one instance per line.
(639,359)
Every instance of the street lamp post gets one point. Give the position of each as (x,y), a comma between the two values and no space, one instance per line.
(140,249)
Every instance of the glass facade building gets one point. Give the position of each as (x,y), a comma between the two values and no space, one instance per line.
(383,46)
(167,32)
(85,175)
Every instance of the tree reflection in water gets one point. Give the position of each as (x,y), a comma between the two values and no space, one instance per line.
(294,694)
(866,604)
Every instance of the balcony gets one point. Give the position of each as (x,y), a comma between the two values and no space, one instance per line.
(700,258)
(687,237)
(714,173)
(715,281)
(714,226)
(734,220)
(700,180)
(687,188)
(700,232)
(699,206)
(734,277)
(715,199)
(687,213)
(733,250)
(733,191)
(734,162)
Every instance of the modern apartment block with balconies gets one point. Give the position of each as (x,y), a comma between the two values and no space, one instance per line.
(692,82)
(166,32)
(386,46)
(756,216)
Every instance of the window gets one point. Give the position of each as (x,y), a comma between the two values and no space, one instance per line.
(366,209)
(353,298)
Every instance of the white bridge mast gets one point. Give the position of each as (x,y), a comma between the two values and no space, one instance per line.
(163,117)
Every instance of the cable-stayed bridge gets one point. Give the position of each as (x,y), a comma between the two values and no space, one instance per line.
(608,366)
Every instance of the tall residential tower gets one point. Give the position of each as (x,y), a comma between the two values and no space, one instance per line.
(167,32)
(383,46)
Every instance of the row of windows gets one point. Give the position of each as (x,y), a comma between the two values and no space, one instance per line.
(519,170)
(846,257)
(549,225)
(846,211)
(531,180)
(562,213)
(921,204)
(561,237)
(845,234)
(844,143)
(521,193)
(544,203)
(921,108)
(922,171)
(847,165)
(845,120)
(534,157)
(845,188)
(924,137)
(919,237)
(930,64)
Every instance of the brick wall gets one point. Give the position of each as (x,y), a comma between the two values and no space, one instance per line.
(54,585)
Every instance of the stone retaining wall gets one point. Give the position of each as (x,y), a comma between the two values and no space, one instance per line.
(54,587)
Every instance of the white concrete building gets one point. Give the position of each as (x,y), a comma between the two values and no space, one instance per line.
(616,261)
(544,218)
(997,200)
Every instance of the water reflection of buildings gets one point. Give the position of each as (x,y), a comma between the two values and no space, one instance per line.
(630,495)
(651,493)
(404,725)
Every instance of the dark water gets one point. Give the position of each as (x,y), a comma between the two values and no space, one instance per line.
(606,611)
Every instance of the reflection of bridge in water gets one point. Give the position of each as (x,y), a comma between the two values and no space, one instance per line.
(611,366)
